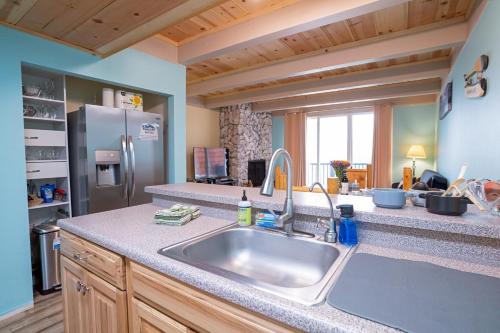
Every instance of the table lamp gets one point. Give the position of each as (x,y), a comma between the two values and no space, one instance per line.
(415,151)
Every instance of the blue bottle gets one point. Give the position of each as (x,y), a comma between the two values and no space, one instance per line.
(348,232)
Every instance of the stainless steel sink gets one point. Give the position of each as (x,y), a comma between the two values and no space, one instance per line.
(296,268)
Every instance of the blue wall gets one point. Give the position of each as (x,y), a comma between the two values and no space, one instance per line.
(278,136)
(470,133)
(128,68)
(413,124)
(278,132)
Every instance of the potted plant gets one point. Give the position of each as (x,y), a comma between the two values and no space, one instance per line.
(339,166)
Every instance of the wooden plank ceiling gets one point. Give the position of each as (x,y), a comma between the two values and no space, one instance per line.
(98,25)
(445,53)
(393,20)
(226,14)
(87,24)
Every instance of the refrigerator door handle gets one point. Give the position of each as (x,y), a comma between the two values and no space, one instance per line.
(125,167)
(132,161)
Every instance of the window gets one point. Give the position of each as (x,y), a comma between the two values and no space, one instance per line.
(340,137)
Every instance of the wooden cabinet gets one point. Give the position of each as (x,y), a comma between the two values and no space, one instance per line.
(107,306)
(106,264)
(75,305)
(90,303)
(187,306)
(96,298)
(145,319)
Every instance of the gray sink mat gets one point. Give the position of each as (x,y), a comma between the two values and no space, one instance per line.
(416,296)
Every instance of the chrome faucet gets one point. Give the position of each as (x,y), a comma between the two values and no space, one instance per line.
(284,220)
(331,224)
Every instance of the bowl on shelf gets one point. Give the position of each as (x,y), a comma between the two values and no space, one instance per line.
(390,197)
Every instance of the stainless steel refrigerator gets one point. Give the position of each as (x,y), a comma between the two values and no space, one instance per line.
(113,154)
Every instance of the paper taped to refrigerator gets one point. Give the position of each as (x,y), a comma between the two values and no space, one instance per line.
(148,132)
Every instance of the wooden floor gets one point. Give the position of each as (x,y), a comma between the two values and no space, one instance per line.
(46,316)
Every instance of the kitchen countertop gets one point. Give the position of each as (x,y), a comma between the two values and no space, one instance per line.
(473,222)
(132,233)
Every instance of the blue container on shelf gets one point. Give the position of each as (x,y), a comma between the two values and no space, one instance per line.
(47,192)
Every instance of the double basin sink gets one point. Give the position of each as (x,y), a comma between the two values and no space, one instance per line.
(297,268)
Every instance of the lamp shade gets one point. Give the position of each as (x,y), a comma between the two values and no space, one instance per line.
(416,151)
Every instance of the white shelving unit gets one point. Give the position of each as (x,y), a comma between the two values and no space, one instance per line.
(46,145)
(55,203)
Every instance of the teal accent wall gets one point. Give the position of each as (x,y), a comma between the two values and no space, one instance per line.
(278,129)
(278,136)
(128,68)
(413,124)
(470,134)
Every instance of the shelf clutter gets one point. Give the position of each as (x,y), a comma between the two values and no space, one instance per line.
(45,138)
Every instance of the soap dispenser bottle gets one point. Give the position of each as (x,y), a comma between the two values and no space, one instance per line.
(244,211)
(348,233)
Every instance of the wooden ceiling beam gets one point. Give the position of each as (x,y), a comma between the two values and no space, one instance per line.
(408,89)
(183,11)
(298,17)
(411,100)
(158,46)
(348,107)
(385,49)
(438,68)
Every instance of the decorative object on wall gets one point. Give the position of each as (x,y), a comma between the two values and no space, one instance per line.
(445,101)
(475,83)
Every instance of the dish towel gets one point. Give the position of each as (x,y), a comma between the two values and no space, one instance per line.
(177,215)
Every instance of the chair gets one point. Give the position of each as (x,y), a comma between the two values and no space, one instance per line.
(280,182)
(279,179)
(362,173)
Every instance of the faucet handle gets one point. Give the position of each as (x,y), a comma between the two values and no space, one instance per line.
(323,222)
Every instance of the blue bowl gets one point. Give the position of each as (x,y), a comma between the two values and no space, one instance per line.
(389,198)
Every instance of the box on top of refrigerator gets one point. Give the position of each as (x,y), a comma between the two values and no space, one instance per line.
(128,100)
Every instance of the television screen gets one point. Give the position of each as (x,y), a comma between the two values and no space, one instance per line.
(200,163)
(216,162)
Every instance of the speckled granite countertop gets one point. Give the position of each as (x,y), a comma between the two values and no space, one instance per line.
(132,233)
(473,222)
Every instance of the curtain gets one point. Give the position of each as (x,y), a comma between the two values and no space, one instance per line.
(295,144)
(382,146)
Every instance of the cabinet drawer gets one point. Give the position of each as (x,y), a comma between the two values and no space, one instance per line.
(38,170)
(105,264)
(194,308)
(145,319)
(34,137)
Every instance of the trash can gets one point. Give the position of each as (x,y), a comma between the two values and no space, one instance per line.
(48,247)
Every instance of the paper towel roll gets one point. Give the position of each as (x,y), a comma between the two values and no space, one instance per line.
(108,97)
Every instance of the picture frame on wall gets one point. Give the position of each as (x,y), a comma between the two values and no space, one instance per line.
(445,101)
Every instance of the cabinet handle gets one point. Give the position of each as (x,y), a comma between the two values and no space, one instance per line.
(78,256)
(85,289)
(79,286)
(32,171)
(31,138)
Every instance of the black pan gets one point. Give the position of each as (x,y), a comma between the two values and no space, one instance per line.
(438,204)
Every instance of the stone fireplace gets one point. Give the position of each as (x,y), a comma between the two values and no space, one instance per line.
(247,135)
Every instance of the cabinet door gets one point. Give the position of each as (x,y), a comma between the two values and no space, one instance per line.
(108,306)
(76,313)
(145,319)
